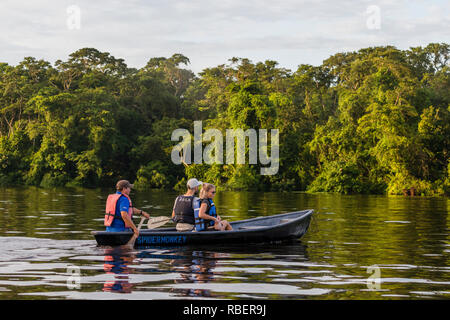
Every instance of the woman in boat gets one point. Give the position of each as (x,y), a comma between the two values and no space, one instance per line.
(207,217)
(119,209)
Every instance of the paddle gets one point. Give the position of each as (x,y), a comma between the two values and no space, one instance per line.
(157,222)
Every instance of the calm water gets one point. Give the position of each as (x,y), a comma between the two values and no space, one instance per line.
(47,251)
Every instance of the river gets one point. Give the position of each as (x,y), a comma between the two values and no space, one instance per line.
(357,247)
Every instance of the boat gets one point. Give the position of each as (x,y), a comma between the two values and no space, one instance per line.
(266,229)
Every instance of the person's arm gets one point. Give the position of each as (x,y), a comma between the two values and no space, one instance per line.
(202,213)
(139,211)
(128,221)
(124,206)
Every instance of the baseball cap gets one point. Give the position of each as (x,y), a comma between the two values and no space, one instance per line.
(192,183)
(124,184)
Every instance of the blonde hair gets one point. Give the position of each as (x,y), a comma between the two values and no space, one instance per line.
(206,187)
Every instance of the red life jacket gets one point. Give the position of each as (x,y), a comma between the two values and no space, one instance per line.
(111,204)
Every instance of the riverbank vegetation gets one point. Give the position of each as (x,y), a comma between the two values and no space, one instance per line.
(372,121)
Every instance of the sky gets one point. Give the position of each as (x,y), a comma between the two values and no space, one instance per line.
(210,32)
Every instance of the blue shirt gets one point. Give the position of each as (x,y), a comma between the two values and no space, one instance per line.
(118,224)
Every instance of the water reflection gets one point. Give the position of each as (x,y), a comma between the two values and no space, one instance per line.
(197,268)
(191,266)
(117,262)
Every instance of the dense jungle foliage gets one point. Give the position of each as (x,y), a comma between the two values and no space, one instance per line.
(372,121)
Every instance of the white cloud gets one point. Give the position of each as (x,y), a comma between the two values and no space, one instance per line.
(210,32)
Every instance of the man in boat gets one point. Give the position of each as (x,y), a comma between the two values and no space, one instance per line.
(183,209)
(119,209)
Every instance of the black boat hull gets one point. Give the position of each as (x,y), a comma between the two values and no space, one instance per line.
(275,228)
